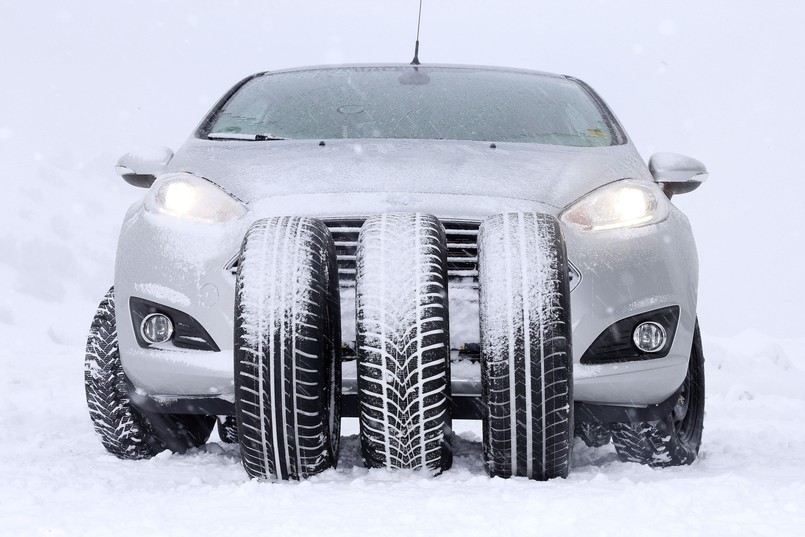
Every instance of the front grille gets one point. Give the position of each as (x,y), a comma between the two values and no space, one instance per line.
(462,250)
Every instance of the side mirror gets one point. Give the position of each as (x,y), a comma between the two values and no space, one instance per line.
(140,168)
(676,174)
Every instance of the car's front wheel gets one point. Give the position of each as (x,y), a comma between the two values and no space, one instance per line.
(675,439)
(126,431)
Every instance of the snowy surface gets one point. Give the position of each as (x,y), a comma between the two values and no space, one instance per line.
(58,480)
(83,84)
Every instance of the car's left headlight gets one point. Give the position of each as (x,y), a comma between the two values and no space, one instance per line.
(185,195)
(621,204)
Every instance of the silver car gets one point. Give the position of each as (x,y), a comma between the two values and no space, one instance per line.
(404,244)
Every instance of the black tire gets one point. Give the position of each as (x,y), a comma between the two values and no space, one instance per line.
(287,349)
(228,429)
(125,431)
(593,434)
(675,439)
(403,343)
(526,358)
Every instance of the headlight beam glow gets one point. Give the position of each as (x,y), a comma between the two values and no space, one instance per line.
(187,196)
(621,204)
(179,198)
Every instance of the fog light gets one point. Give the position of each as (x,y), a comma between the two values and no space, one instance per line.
(156,328)
(649,337)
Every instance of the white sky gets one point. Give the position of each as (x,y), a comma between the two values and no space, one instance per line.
(724,82)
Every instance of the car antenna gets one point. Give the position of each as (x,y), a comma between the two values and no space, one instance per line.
(415,61)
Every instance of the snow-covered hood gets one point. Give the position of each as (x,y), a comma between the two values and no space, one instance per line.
(551,175)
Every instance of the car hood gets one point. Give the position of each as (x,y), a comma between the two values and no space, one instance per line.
(551,175)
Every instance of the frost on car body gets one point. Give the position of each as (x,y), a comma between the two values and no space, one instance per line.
(340,146)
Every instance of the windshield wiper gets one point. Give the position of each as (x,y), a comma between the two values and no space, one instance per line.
(241,136)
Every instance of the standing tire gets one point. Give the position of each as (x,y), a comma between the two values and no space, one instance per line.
(228,429)
(675,439)
(287,349)
(593,434)
(526,359)
(126,431)
(403,343)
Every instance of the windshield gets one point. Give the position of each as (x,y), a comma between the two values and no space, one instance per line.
(437,103)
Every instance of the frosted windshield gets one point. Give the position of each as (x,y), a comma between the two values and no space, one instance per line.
(422,103)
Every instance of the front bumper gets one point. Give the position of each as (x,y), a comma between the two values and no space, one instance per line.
(622,273)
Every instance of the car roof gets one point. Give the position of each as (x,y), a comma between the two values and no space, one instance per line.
(419,66)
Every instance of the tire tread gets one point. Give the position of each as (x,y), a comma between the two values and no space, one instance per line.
(403,342)
(287,354)
(525,347)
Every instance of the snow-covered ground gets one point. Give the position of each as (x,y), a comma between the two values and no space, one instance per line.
(81,84)
(56,479)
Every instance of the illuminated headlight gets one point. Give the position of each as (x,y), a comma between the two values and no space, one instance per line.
(620,204)
(188,196)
